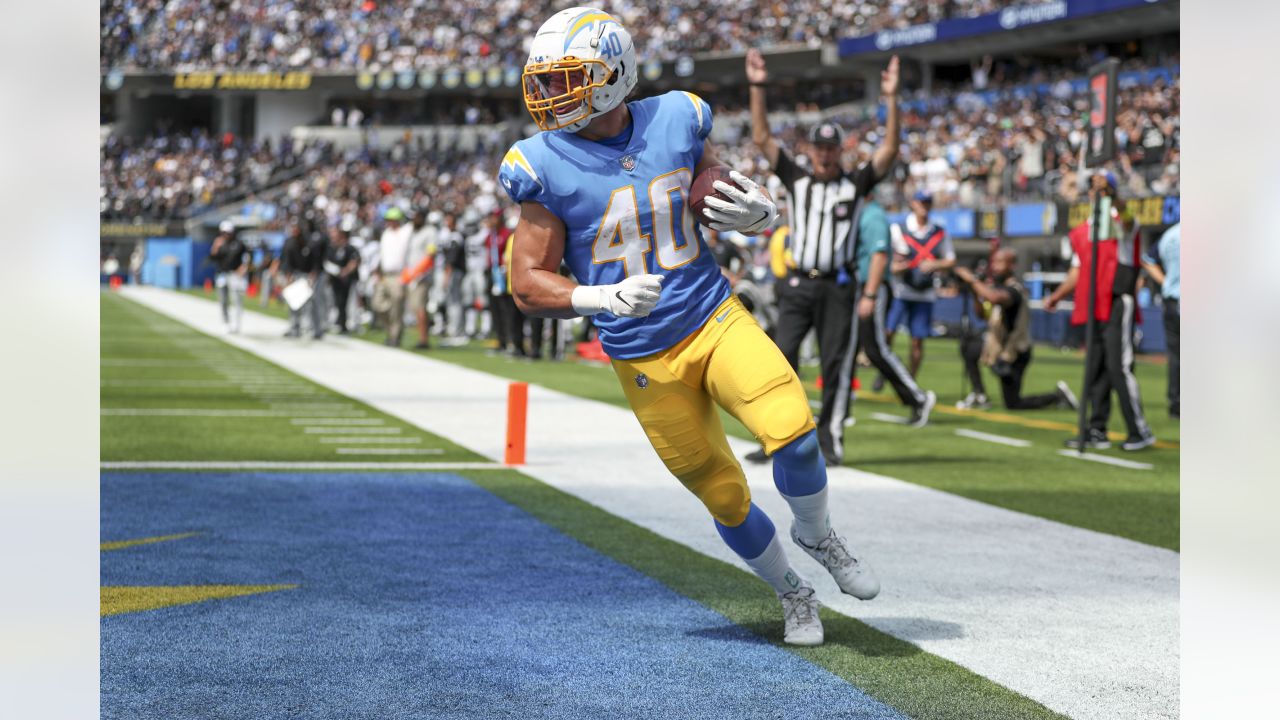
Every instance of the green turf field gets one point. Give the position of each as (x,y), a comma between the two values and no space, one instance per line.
(151,363)
(171,393)
(1137,504)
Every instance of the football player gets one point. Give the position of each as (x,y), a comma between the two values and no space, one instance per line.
(605,187)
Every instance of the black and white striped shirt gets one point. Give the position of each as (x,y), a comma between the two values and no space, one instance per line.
(824,214)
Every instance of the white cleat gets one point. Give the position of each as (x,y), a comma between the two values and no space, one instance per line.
(800,613)
(853,576)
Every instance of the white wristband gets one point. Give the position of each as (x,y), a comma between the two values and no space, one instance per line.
(587,300)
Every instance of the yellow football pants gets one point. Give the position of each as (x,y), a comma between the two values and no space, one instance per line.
(732,363)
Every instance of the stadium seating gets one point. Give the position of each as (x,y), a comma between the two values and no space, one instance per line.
(183,35)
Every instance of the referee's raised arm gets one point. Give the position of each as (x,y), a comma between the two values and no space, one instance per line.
(758,77)
(885,155)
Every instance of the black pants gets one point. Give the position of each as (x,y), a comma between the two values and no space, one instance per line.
(827,307)
(504,312)
(341,293)
(537,326)
(1010,384)
(869,337)
(1172,324)
(1110,367)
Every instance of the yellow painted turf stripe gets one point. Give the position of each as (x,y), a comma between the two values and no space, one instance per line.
(1002,418)
(121,544)
(117,600)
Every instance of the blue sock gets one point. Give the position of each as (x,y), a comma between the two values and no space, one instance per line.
(751,537)
(801,476)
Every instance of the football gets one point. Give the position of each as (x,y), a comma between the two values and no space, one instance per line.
(703,188)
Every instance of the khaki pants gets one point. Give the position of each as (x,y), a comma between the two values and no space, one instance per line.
(388,302)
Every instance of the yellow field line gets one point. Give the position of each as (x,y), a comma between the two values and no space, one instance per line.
(996,417)
(121,544)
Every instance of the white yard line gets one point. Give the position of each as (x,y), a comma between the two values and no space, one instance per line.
(1083,622)
(219,412)
(274,465)
(988,437)
(352,429)
(374,440)
(1106,459)
(335,421)
(387,451)
(887,418)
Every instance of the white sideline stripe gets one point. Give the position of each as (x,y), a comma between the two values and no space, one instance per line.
(309,465)
(887,418)
(1107,459)
(988,437)
(1085,623)
(372,440)
(388,451)
(211,412)
(336,421)
(309,406)
(354,430)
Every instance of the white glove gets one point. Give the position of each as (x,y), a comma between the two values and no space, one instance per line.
(750,211)
(634,297)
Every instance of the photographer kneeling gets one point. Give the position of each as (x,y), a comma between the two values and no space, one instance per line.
(1005,346)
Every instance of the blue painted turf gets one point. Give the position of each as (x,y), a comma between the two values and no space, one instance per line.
(421,596)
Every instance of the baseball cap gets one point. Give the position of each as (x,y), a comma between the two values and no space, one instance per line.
(226,226)
(826,134)
(393,213)
(923,196)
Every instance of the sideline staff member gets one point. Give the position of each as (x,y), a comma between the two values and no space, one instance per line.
(1005,346)
(1110,365)
(873,301)
(921,249)
(819,292)
(231,257)
(1164,263)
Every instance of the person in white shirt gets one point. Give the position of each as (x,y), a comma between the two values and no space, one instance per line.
(393,259)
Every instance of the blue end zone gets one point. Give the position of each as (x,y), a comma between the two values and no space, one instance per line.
(420,596)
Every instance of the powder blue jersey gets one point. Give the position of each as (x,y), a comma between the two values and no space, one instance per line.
(625,211)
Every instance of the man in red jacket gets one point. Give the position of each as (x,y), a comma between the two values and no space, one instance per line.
(1109,365)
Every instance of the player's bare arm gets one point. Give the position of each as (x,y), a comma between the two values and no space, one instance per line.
(541,291)
(758,75)
(887,154)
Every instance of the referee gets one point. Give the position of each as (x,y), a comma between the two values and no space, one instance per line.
(820,291)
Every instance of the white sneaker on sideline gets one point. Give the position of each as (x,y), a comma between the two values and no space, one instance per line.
(853,576)
(920,415)
(802,626)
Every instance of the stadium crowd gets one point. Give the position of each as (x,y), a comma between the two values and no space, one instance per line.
(1019,137)
(174,175)
(186,35)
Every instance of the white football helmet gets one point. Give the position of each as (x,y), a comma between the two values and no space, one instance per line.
(582,64)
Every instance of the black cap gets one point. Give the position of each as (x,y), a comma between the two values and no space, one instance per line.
(826,134)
